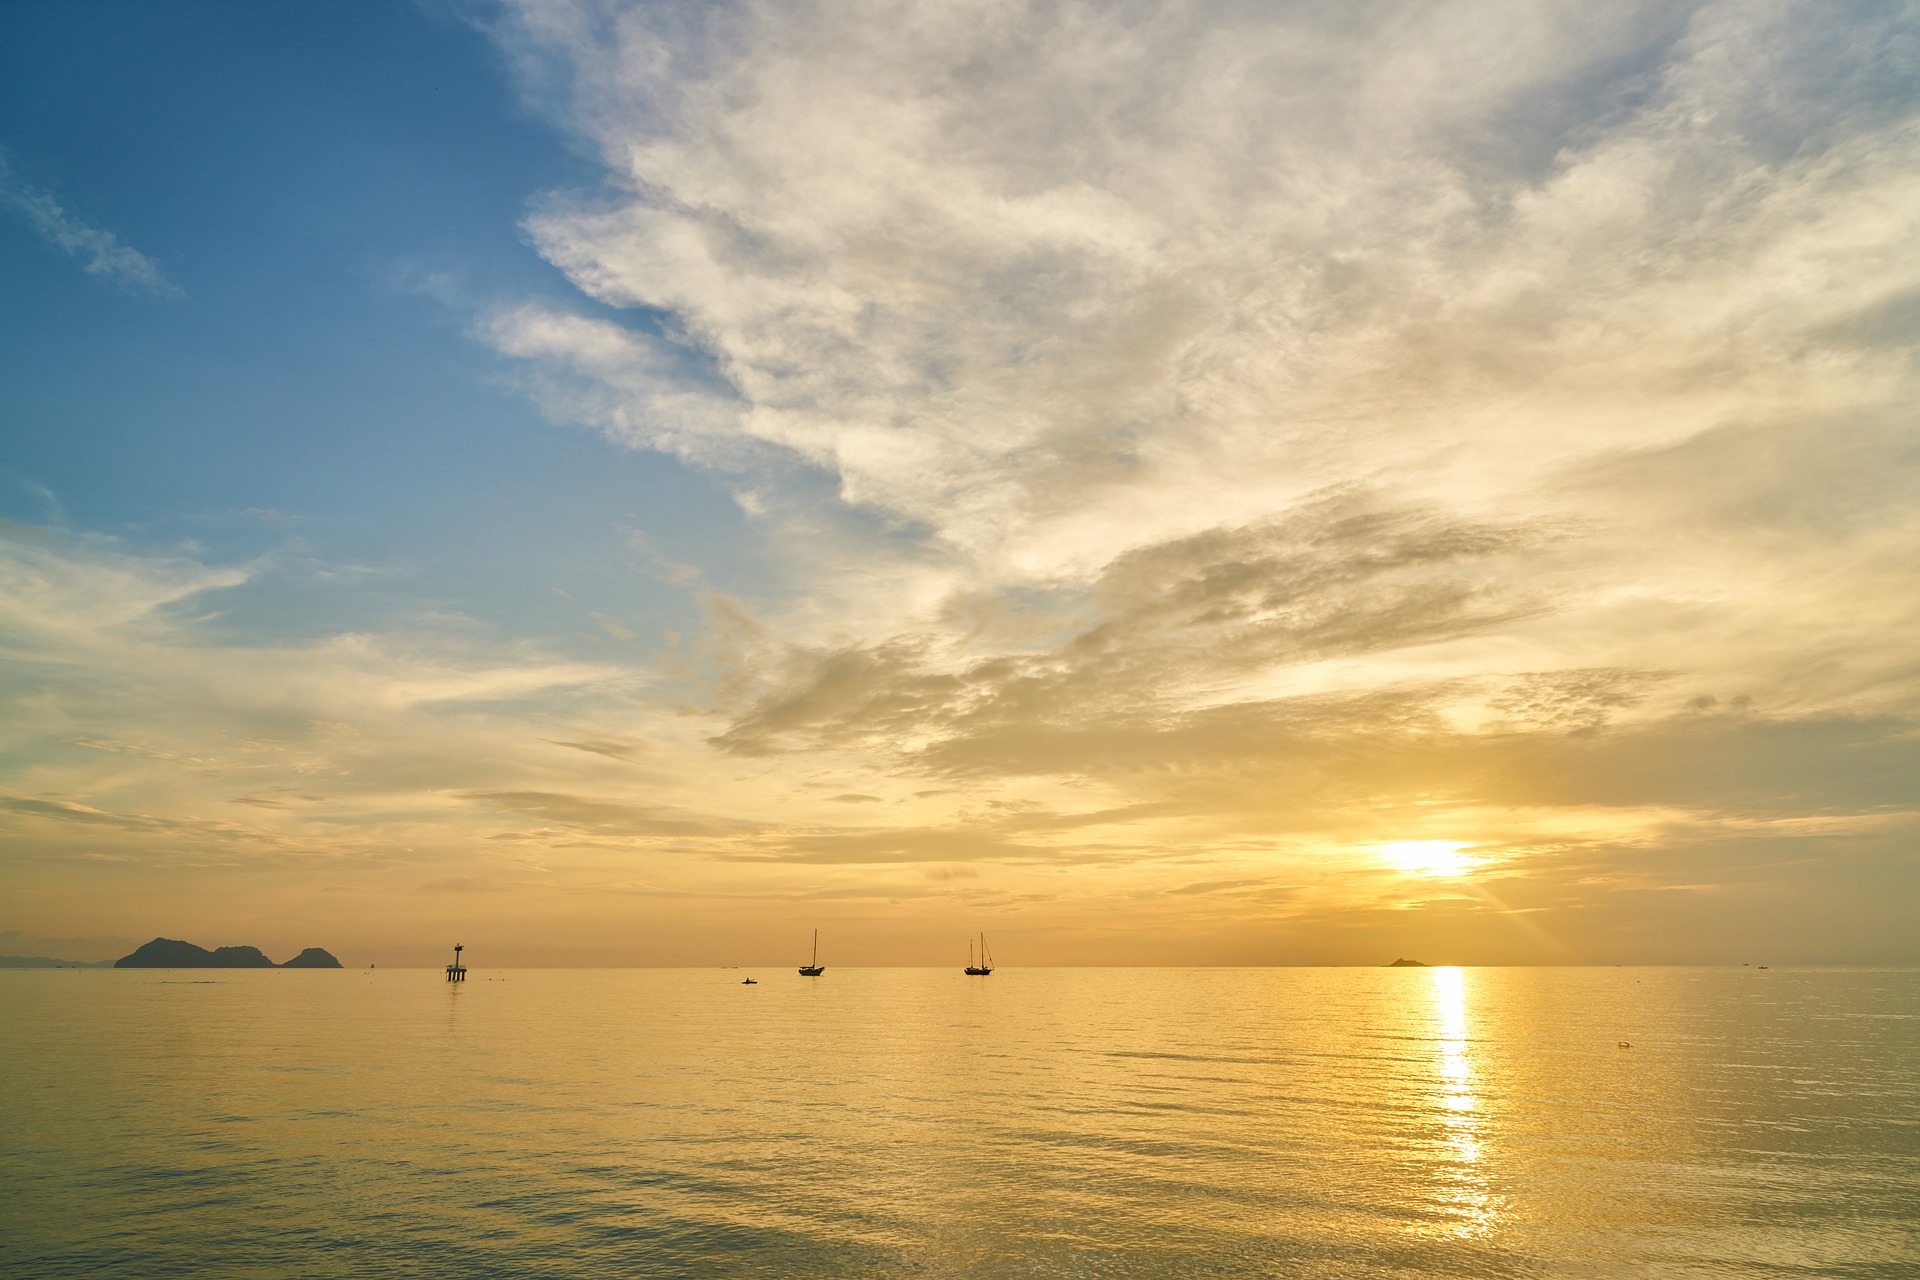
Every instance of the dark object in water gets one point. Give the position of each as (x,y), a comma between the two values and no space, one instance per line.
(985,964)
(749,982)
(1409,964)
(457,972)
(813,968)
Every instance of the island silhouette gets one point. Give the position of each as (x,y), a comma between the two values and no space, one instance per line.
(1409,964)
(171,953)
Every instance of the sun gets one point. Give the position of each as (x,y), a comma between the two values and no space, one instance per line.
(1428,857)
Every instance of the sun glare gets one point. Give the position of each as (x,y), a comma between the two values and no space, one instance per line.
(1427,857)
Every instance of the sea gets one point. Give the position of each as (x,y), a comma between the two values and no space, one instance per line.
(1544,1122)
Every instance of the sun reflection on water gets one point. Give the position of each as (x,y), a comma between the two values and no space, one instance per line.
(1464,1187)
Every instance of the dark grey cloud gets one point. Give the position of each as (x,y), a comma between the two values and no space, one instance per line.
(1216,886)
(612,748)
(1340,578)
(1573,700)
(1724,763)
(277,798)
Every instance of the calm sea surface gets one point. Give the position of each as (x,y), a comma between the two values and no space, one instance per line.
(911,1122)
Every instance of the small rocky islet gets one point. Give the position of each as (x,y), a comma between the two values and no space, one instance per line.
(171,953)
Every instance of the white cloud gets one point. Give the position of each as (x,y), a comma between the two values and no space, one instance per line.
(1209,439)
(1046,284)
(103,255)
(120,688)
(1345,390)
(1058,281)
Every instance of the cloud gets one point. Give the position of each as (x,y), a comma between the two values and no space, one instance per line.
(129,708)
(613,749)
(277,798)
(102,253)
(612,626)
(1217,886)
(67,811)
(907,846)
(1164,625)
(1192,444)
(613,817)
(1227,435)
(465,884)
(1061,281)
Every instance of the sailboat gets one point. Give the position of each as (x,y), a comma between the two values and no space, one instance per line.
(985,964)
(813,968)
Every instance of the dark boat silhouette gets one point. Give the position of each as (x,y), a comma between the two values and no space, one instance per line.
(749,982)
(985,964)
(813,968)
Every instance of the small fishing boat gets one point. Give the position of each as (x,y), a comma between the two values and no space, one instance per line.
(749,982)
(984,965)
(813,968)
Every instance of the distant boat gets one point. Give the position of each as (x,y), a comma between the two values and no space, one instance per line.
(749,982)
(813,968)
(985,964)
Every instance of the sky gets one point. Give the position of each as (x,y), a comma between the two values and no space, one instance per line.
(1297,482)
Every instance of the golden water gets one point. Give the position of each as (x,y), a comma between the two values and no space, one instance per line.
(1052,1122)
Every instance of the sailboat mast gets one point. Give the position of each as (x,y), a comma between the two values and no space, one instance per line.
(816,948)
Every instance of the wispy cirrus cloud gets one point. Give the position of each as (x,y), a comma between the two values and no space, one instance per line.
(1059,288)
(102,254)
(1276,426)
(1057,281)
(1204,442)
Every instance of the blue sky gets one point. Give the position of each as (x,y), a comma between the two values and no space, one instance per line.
(1199,482)
(331,194)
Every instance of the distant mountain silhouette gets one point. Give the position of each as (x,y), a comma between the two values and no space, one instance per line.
(170,953)
(48,962)
(1409,964)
